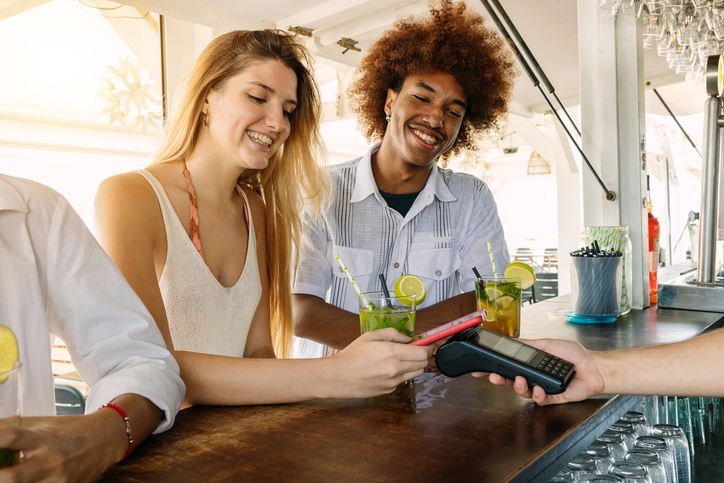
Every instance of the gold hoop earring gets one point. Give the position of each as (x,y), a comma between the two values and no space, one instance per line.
(206,118)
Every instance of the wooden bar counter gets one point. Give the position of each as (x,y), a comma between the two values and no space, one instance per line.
(435,429)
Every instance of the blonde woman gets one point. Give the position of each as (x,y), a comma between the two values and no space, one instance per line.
(205,234)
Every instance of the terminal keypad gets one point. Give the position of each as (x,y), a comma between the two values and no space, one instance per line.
(555,366)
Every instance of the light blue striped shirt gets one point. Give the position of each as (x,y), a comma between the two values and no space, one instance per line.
(440,239)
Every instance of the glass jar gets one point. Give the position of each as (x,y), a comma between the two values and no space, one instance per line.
(616,238)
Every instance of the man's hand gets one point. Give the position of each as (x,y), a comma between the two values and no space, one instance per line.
(63,448)
(587,381)
(76,448)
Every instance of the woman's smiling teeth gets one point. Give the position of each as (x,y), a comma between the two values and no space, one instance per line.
(425,137)
(260,138)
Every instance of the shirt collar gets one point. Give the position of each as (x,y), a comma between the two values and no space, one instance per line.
(365,184)
(436,184)
(10,198)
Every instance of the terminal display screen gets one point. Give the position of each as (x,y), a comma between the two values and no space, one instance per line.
(509,347)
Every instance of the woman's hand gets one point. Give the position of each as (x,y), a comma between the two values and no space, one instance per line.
(63,448)
(376,363)
(587,381)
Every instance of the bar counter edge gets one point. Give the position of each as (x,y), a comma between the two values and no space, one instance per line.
(543,320)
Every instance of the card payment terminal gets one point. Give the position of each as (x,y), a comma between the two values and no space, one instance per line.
(479,349)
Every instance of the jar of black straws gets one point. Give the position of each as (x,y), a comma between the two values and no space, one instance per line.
(616,238)
(596,281)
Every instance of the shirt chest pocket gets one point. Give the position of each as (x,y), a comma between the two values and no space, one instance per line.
(434,265)
(359,264)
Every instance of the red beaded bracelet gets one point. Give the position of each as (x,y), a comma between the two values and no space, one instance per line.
(128,426)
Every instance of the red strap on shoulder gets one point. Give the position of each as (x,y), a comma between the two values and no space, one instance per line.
(194,208)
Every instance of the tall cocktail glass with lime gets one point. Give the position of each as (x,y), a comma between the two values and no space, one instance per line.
(501,299)
(10,389)
(376,311)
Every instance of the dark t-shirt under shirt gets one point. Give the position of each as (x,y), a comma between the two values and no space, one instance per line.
(400,203)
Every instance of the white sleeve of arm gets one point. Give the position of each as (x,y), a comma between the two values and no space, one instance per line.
(314,273)
(114,342)
(484,225)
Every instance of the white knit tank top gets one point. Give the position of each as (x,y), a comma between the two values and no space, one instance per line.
(203,315)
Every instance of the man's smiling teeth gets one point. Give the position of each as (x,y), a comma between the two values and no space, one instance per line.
(260,138)
(425,137)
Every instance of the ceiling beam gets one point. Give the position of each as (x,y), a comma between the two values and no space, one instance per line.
(141,37)
(334,12)
(520,110)
(334,53)
(200,13)
(9,8)
(533,137)
(369,25)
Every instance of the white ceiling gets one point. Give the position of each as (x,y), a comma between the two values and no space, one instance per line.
(549,28)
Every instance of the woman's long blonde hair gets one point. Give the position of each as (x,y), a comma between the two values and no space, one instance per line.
(294,178)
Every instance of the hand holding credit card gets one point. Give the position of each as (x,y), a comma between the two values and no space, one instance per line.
(446,330)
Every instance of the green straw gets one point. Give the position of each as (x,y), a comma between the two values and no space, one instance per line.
(351,279)
(492,260)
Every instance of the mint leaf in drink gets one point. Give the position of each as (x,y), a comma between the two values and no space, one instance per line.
(380,322)
(401,323)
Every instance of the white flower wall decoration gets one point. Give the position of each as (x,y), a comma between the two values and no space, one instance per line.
(132,97)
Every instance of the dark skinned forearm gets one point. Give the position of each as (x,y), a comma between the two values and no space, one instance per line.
(445,311)
(321,322)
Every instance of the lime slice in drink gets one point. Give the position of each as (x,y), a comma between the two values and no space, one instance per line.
(408,285)
(493,293)
(504,301)
(8,350)
(518,271)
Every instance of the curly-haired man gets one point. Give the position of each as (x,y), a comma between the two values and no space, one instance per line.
(426,90)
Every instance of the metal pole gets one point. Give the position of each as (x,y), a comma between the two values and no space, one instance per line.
(676,121)
(570,119)
(610,195)
(519,47)
(720,192)
(164,67)
(510,27)
(709,182)
(670,248)
(511,43)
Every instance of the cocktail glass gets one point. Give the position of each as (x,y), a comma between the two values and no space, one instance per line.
(10,400)
(377,311)
(501,298)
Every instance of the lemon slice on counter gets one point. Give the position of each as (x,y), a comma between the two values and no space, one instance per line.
(8,350)
(518,271)
(408,285)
